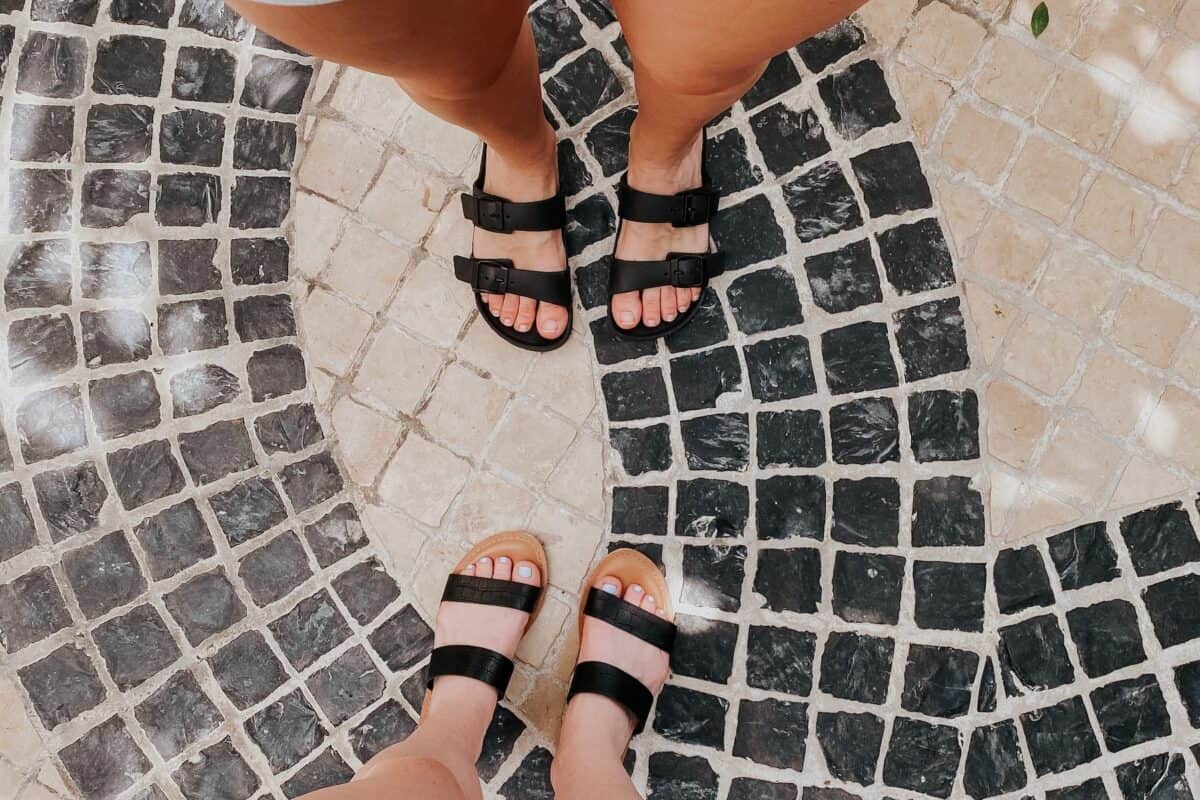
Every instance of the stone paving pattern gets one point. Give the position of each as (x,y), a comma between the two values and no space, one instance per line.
(787,459)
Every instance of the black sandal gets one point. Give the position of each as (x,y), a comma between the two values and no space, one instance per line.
(499,276)
(681,270)
(480,663)
(597,677)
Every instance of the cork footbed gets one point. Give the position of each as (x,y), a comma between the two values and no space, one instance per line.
(517,545)
(629,566)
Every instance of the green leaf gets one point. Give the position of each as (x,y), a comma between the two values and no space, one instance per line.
(1039,20)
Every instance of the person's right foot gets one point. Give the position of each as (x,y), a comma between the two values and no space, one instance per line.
(591,720)
(541,251)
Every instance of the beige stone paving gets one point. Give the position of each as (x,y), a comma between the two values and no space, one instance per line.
(446,432)
(1068,172)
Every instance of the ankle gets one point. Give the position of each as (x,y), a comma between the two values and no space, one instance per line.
(460,712)
(524,167)
(660,166)
(593,728)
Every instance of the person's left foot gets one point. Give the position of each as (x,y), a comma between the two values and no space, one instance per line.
(644,241)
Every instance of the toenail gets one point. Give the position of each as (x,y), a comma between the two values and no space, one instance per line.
(503,559)
(506,320)
(649,598)
(525,572)
(488,559)
(611,588)
(550,326)
(635,588)
(471,569)
(627,317)
(523,326)
(682,307)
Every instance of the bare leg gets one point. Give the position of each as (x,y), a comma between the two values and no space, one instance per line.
(471,64)
(691,61)
(438,761)
(596,731)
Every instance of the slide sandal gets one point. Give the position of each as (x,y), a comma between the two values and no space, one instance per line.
(596,677)
(480,663)
(499,276)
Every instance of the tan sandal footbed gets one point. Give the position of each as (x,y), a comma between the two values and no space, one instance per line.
(517,545)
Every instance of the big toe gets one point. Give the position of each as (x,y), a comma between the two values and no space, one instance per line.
(527,572)
(627,309)
(551,320)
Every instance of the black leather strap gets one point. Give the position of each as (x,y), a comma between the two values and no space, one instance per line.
(499,276)
(651,629)
(682,270)
(470,661)
(491,592)
(682,210)
(596,677)
(500,215)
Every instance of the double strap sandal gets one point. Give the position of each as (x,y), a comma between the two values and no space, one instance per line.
(597,677)
(498,275)
(679,270)
(471,661)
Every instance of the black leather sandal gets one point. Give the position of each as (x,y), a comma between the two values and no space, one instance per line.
(480,663)
(499,276)
(597,677)
(681,270)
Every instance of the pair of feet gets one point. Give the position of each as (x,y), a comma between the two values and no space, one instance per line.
(591,721)
(543,251)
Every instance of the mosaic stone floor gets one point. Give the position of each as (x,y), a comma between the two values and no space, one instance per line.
(193,609)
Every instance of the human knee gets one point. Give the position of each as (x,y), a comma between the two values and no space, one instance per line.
(690,79)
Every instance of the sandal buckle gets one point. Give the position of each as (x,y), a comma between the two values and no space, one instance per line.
(491,277)
(489,214)
(694,210)
(687,271)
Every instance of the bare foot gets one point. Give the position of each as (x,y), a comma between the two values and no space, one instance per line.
(496,628)
(541,251)
(645,241)
(591,720)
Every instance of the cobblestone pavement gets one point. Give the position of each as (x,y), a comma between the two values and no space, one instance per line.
(216,559)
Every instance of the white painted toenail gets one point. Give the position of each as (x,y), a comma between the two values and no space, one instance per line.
(525,572)
(503,559)
(627,317)
(650,598)
(635,588)
(611,588)
(471,570)
(485,559)
(550,326)
(524,326)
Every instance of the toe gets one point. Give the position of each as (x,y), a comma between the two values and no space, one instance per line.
(508,310)
(627,309)
(649,603)
(527,572)
(609,584)
(494,301)
(695,295)
(503,570)
(526,309)
(483,567)
(470,570)
(551,320)
(651,307)
(635,594)
(683,299)
(669,305)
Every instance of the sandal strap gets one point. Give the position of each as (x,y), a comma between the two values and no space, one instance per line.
(596,677)
(499,276)
(650,628)
(683,270)
(501,215)
(468,661)
(682,210)
(491,592)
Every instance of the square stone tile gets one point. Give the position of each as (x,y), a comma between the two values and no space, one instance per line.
(135,646)
(177,715)
(1081,107)
(1114,215)
(340,163)
(62,685)
(423,479)
(398,390)
(1009,73)
(405,200)
(1077,464)
(248,510)
(1033,656)
(1117,39)
(1106,637)
(104,575)
(1084,556)
(33,609)
(939,681)
(1116,393)
(370,99)
(274,570)
(286,731)
(106,760)
(1174,245)
(366,267)
(366,438)
(71,499)
(1030,182)
(1009,250)
(1020,580)
(310,629)
(530,442)
(944,41)
(247,670)
(1075,286)
(1042,354)
(432,303)
(386,725)
(978,144)
(219,769)
(1168,435)
(1149,324)
(464,409)
(1153,142)
(205,605)
(50,424)
(1015,423)
(403,639)
(174,539)
(343,327)
(949,595)
(348,685)
(19,532)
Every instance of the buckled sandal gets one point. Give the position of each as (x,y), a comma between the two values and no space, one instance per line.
(480,663)
(597,677)
(498,275)
(680,270)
